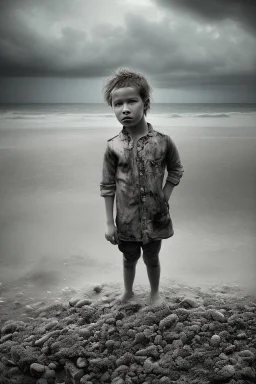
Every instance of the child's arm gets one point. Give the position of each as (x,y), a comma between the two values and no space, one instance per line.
(174,168)
(107,190)
(111,231)
(168,188)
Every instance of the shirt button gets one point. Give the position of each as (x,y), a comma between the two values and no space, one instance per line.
(141,173)
(142,189)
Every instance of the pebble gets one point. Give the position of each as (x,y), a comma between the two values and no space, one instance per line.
(217,316)
(52,366)
(246,355)
(242,335)
(189,303)
(248,373)
(223,356)
(226,372)
(168,321)
(215,340)
(148,366)
(42,381)
(72,302)
(37,369)
(97,288)
(81,362)
(83,302)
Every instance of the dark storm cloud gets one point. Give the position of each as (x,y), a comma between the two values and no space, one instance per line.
(48,39)
(243,11)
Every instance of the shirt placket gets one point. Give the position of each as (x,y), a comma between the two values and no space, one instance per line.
(142,186)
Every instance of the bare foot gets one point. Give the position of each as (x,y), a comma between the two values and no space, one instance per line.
(155,299)
(126,297)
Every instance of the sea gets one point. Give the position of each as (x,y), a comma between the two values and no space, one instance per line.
(86,115)
(52,218)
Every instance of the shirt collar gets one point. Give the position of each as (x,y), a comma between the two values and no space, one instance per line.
(124,134)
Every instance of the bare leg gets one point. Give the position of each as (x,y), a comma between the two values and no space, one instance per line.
(154,277)
(129,275)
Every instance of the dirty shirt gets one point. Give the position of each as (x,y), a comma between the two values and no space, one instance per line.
(134,175)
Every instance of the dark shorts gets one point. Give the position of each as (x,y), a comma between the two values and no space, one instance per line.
(132,250)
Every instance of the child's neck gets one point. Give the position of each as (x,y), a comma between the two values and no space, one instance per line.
(138,130)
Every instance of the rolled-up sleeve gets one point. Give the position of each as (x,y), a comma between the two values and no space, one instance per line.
(174,168)
(108,182)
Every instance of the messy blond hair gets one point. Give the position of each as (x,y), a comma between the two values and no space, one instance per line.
(124,77)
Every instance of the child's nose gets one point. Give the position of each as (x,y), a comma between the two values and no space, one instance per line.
(126,108)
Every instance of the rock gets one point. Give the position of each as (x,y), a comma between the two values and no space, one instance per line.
(149,332)
(110,343)
(23,357)
(229,349)
(117,380)
(182,313)
(52,366)
(222,356)
(72,372)
(165,380)
(83,302)
(37,369)
(51,324)
(148,365)
(246,355)
(81,362)
(49,375)
(149,351)
(126,359)
(189,303)
(7,362)
(28,307)
(158,340)
(11,327)
(215,340)
(217,316)
(42,381)
(110,320)
(248,373)
(120,371)
(140,338)
(168,321)
(86,379)
(105,376)
(5,338)
(226,372)
(72,302)
(97,288)
(241,335)
(43,339)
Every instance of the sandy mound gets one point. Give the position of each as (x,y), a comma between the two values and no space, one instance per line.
(89,336)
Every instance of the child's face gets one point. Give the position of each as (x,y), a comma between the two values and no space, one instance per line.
(127,105)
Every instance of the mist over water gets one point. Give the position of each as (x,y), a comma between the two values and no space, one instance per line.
(52,217)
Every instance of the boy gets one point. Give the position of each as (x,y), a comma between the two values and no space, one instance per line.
(133,172)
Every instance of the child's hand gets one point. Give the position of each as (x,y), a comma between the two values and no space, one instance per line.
(111,234)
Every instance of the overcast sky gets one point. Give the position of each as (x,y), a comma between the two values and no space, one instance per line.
(191,50)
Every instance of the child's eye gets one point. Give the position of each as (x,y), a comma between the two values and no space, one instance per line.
(117,104)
